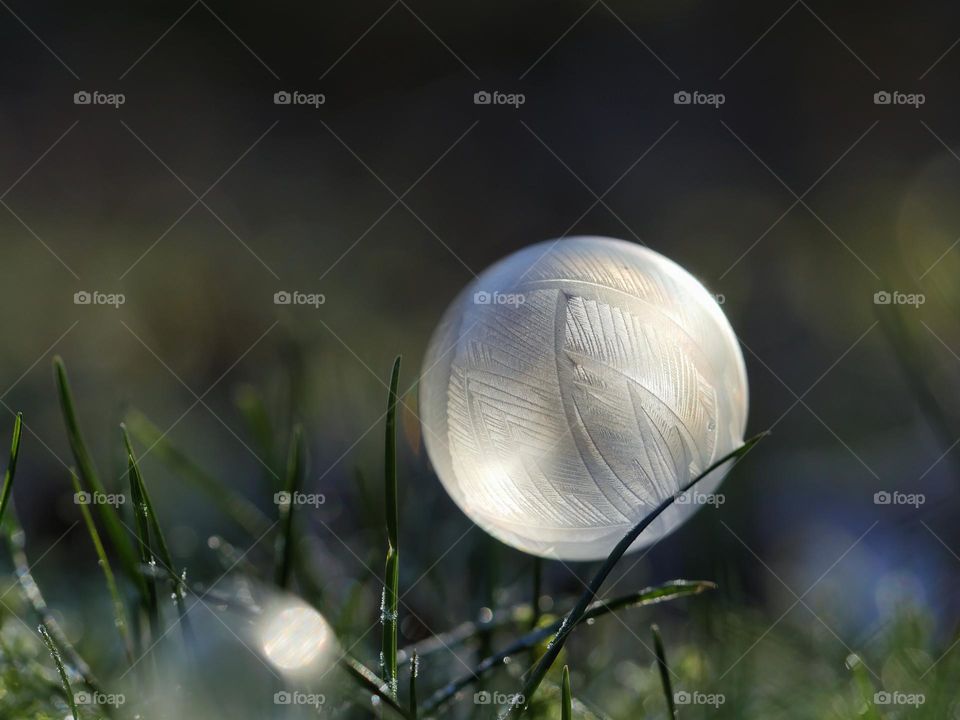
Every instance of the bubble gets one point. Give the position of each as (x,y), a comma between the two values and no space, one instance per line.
(575,385)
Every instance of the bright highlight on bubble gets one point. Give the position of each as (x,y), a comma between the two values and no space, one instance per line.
(294,638)
(572,387)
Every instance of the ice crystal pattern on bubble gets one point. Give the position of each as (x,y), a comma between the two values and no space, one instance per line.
(572,387)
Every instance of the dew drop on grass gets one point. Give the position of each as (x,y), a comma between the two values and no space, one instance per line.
(385,615)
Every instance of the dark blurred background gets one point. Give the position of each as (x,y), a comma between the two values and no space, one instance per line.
(796,200)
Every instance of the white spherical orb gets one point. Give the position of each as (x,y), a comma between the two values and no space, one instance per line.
(296,637)
(572,387)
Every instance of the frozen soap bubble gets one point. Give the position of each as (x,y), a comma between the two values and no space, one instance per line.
(572,387)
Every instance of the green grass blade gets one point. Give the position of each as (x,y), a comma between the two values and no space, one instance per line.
(11,465)
(16,540)
(388,616)
(367,681)
(39,606)
(864,686)
(147,577)
(390,458)
(518,616)
(576,614)
(177,584)
(566,699)
(672,590)
(285,547)
(88,473)
(243,512)
(58,661)
(414,672)
(119,611)
(664,671)
(391,580)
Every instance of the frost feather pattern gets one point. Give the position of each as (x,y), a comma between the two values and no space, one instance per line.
(560,418)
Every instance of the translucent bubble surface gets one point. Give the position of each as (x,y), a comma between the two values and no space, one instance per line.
(572,387)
